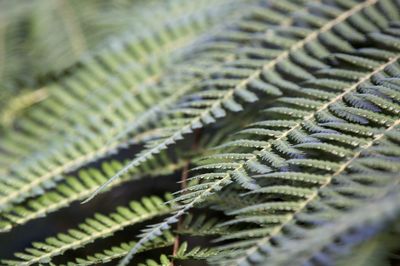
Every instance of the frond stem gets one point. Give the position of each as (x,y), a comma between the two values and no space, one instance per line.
(184,178)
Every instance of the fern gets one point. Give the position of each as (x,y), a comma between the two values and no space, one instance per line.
(59,33)
(215,109)
(99,226)
(335,192)
(237,171)
(211,109)
(348,230)
(74,189)
(84,144)
(321,129)
(116,252)
(278,120)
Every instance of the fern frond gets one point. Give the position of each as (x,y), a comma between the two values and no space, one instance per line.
(317,153)
(304,141)
(215,107)
(60,33)
(270,157)
(85,145)
(226,102)
(127,57)
(131,60)
(100,226)
(284,118)
(77,188)
(325,243)
(345,192)
(115,252)
(88,134)
(269,73)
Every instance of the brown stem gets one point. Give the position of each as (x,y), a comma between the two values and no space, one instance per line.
(184,177)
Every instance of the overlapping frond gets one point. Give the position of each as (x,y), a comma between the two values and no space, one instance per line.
(291,110)
(100,226)
(76,132)
(368,174)
(129,61)
(320,147)
(272,74)
(189,112)
(118,71)
(241,80)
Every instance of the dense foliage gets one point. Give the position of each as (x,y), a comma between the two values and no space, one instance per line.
(279,120)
